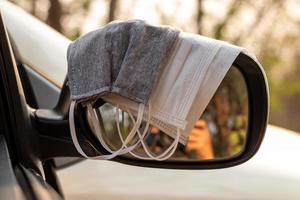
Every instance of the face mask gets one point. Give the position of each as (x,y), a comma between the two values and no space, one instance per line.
(183,90)
(118,58)
(186,84)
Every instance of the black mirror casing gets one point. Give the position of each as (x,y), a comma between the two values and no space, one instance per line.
(55,134)
(258,98)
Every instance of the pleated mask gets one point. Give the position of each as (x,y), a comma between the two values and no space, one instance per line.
(188,80)
(187,83)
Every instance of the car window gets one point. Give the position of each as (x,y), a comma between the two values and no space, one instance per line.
(37,45)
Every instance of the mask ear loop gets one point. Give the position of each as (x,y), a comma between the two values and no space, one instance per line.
(99,129)
(97,120)
(163,156)
(102,157)
(73,129)
(167,153)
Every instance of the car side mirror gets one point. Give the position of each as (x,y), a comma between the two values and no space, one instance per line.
(229,132)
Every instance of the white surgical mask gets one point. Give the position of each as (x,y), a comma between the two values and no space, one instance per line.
(186,85)
(184,88)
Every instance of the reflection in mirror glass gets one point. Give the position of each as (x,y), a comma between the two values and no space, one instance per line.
(219,133)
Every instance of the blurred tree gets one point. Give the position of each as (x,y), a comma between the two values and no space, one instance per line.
(32,11)
(261,11)
(54,15)
(200,14)
(231,12)
(112,10)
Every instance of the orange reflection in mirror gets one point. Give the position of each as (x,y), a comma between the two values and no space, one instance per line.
(200,141)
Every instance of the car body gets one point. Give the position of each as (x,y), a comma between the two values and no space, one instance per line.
(273,173)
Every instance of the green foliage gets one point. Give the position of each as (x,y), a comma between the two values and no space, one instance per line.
(74,34)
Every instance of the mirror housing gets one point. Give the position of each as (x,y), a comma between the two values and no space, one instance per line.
(55,138)
(258,98)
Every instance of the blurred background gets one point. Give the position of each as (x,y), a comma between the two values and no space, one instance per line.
(268,28)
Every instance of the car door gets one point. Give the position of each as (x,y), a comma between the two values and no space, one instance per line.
(23,174)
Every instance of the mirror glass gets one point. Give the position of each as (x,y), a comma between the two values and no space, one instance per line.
(220,132)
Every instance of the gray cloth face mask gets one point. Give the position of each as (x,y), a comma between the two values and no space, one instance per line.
(122,58)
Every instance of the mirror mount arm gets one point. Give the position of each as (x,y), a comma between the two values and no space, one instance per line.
(63,104)
(55,138)
(54,131)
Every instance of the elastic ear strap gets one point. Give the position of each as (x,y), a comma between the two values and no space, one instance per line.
(137,124)
(75,139)
(99,129)
(73,129)
(99,133)
(121,137)
(74,136)
(164,155)
(128,139)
